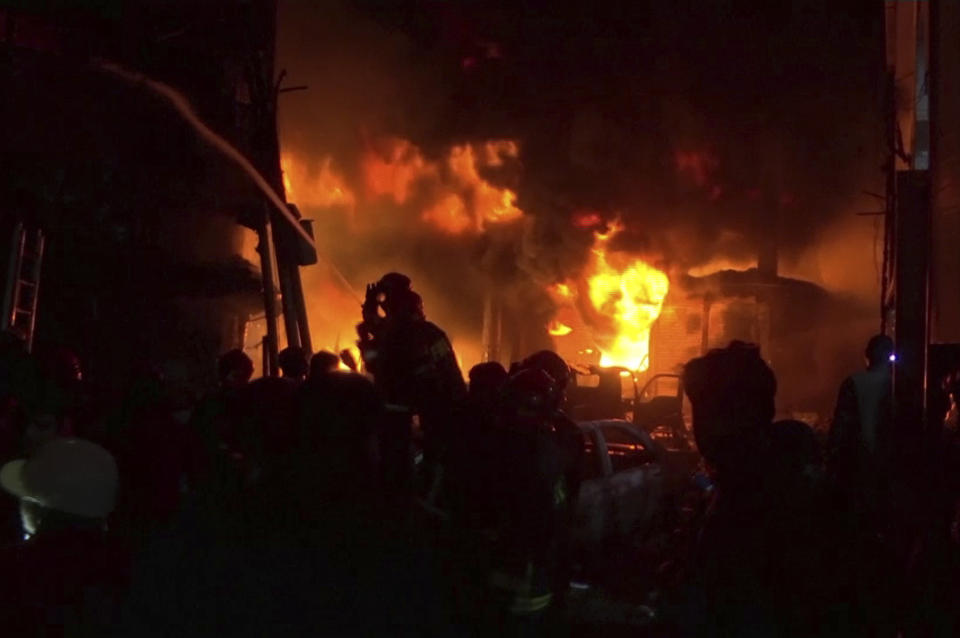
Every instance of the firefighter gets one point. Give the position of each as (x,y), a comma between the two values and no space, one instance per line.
(527,492)
(568,434)
(416,370)
(379,301)
(570,442)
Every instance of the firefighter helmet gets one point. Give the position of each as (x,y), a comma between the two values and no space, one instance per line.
(551,363)
(530,390)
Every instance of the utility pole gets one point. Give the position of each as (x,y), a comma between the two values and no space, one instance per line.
(280,256)
(910,219)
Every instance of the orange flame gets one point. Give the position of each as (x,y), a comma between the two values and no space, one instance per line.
(491,203)
(449,215)
(561,290)
(393,169)
(462,200)
(559,329)
(322,188)
(627,294)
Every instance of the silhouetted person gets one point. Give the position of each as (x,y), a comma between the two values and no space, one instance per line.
(860,446)
(376,309)
(160,458)
(216,419)
(527,500)
(293,364)
(322,363)
(268,428)
(732,391)
(416,370)
(486,381)
(68,578)
(860,462)
(339,416)
(471,455)
(570,442)
(313,554)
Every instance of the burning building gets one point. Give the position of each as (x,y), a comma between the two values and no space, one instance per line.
(533,208)
(544,201)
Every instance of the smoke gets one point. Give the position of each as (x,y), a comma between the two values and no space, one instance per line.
(704,126)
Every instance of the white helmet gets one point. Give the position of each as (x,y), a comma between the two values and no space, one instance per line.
(67,475)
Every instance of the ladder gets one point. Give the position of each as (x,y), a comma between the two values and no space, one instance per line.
(23,282)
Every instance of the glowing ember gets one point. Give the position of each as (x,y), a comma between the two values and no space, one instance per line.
(559,329)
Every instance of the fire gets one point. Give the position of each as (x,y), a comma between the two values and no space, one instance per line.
(462,199)
(393,168)
(559,329)
(449,214)
(620,297)
(562,290)
(721,263)
(390,186)
(491,204)
(323,187)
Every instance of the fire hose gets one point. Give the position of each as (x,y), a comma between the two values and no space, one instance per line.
(183,107)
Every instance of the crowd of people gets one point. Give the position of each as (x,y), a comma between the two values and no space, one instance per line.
(404,501)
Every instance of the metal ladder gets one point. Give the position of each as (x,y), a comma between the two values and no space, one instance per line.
(23,282)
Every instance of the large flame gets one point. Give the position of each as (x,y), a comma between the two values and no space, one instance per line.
(620,297)
(452,195)
(393,184)
(323,187)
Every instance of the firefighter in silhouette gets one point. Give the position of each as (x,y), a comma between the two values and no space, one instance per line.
(568,434)
(415,369)
(571,449)
(374,312)
(527,493)
(860,445)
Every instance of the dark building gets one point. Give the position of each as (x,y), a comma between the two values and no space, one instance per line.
(146,255)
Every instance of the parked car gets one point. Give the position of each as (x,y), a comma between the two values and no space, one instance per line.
(629,479)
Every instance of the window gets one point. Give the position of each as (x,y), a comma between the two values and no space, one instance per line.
(626,449)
